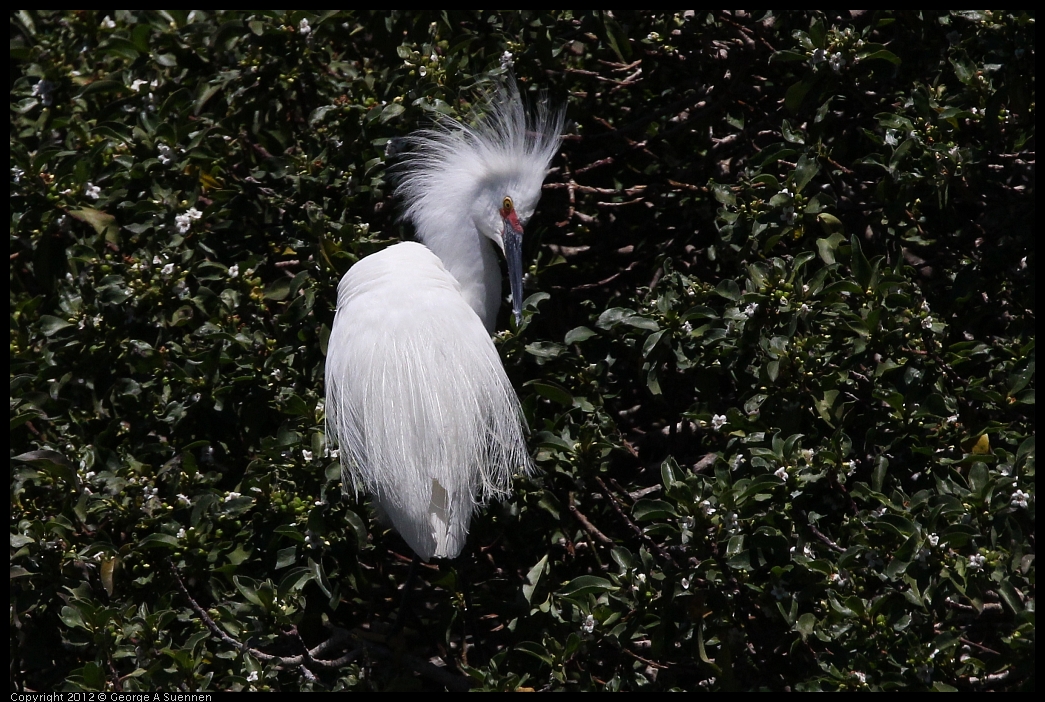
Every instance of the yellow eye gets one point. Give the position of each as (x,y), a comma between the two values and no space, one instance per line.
(507,205)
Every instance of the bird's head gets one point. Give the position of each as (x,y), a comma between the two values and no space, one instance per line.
(490,174)
(500,212)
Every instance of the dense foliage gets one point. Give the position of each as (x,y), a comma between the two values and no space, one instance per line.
(777,356)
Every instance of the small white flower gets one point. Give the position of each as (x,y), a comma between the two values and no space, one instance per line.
(193,213)
(90,474)
(16,174)
(805,309)
(705,505)
(837,61)
(1019,499)
(303,26)
(231,496)
(653,36)
(138,83)
(434,58)
(685,583)
(890,137)
(779,592)
(934,539)
(181,533)
(334,453)
(976,561)
(718,421)
(641,578)
(306,454)
(787,193)
(234,271)
(277,374)
(807,455)
(182,499)
(252,676)
(108,23)
(165,154)
(750,310)
(92,191)
(860,677)
(183,222)
(507,61)
(927,323)
(781,473)
(818,57)
(422,71)
(168,269)
(589,624)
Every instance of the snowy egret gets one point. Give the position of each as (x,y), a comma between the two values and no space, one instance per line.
(417,399)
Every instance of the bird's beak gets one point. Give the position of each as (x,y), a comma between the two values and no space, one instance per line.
(512,236)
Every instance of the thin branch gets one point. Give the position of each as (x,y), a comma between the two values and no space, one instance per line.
(653,545)
(586,523)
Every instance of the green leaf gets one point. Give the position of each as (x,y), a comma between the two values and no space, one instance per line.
(585,585)
(158,541)
(51,325)
(551,391)
(533,577)
(796,94)
(536,650)
(728,289)
(879,55)
(391,111)
(804,172)
(578,334)
(617,39)
(647,509)
(827,247)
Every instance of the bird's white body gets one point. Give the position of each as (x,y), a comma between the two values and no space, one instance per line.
(417,399)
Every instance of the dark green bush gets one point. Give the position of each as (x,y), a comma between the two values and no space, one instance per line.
(778,355)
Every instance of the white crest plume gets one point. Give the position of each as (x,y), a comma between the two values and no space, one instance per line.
(417,399)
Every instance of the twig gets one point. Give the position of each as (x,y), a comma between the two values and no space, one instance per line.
(823,537)
(586,523)
(979,646)
(627,520)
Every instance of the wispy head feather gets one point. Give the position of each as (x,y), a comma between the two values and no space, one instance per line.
(452,165)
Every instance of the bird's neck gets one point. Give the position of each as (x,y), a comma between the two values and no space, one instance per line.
(471,258)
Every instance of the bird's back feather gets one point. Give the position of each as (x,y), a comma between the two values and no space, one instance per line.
(417,398)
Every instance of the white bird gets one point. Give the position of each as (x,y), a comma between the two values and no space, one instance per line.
(417,399)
